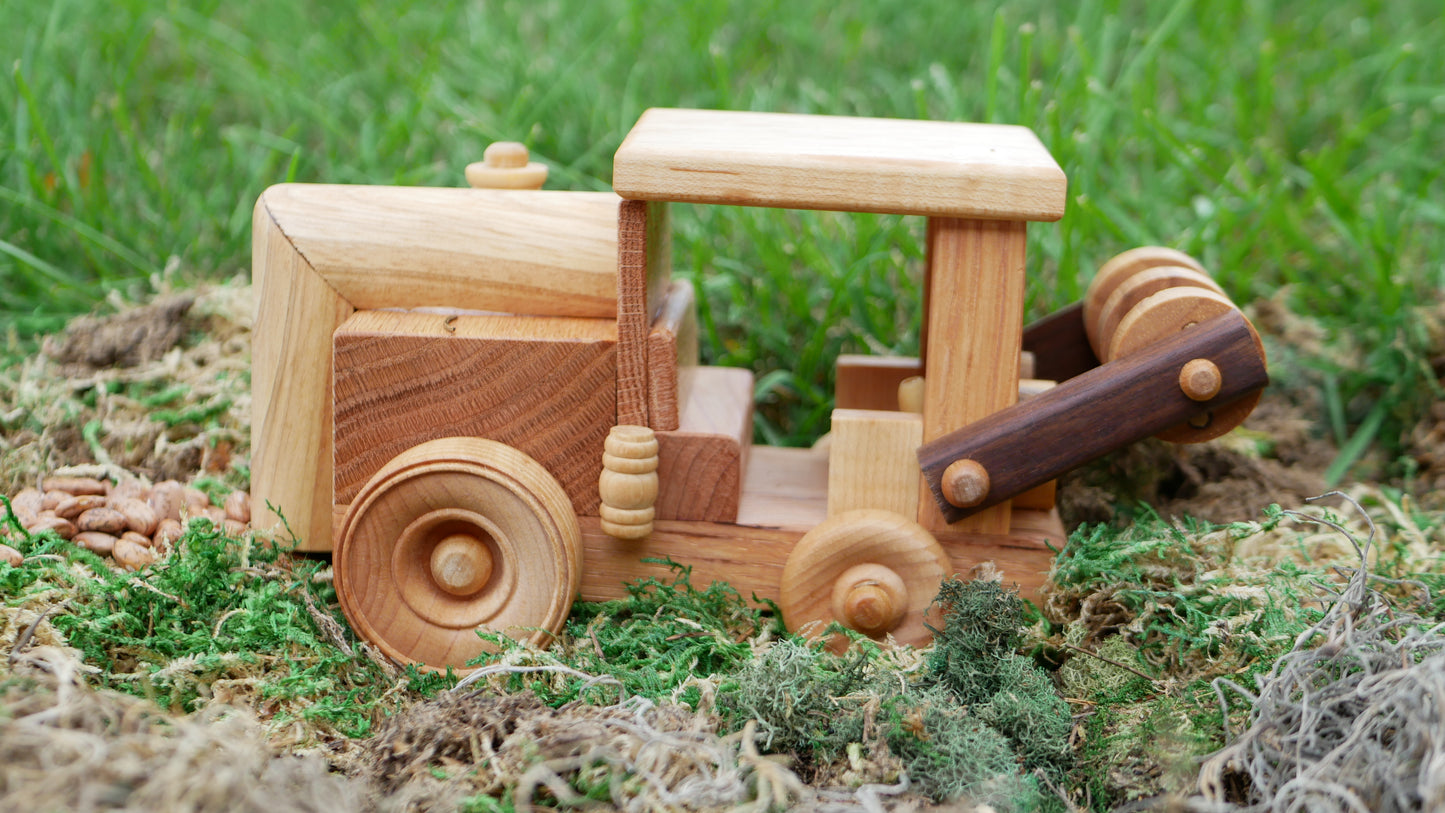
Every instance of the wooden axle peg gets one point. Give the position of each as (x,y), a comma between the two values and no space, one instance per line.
(910,395)
(870,598)
(461,564)
(965,483)
(628,484)
(1200,379)
(506,165)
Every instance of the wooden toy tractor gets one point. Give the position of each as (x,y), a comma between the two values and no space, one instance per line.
(487,402)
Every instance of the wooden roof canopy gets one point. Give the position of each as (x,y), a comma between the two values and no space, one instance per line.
(839,163)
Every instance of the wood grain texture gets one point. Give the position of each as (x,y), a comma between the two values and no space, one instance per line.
(701,464)
(515,251)
(1098,411)
(672,356)
(495,505)
(543,385)
(947,169)
(975,334)
(873,461)
(296,311)
(644,271)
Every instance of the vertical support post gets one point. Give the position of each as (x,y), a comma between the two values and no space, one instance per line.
(975,330)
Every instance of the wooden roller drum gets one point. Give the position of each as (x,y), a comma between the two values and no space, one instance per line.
(452,537)
(1178,360)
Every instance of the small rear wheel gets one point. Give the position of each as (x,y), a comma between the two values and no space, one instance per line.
(873,571)
(452,537)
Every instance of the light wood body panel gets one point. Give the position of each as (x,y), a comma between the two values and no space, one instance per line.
(514,251)
(849,164)
(320,252)
(873,461)
(291,437)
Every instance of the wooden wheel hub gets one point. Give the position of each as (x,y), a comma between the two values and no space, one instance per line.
(461,564)
(870,598)
(451,569)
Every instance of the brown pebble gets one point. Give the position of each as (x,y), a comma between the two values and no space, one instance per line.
(50,499)
(238,506)
(131,556)
(167,498)
(232,527)
(167,533)
(72,507)
(127,490)
(216,515)
(105,520)
(139,516)
(96,542)
(10,556)
(73,485)
(196,501)
(48,521)
(140,539)
(27,505)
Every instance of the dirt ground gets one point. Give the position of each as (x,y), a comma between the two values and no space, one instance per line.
(162,392)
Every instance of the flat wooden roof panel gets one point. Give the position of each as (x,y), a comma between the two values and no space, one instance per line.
(793,161)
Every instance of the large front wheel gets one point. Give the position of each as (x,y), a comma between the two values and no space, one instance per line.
(452,537)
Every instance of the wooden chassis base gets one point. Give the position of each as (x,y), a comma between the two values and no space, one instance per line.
(784,497)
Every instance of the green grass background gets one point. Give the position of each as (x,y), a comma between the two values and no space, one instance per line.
(1292,144)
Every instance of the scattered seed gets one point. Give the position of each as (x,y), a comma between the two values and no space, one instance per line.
(238,506)
(74,485)
(131,555)
(139,516)
(96,542)
(167,498)
(105,520)
(48,521)
(72,507)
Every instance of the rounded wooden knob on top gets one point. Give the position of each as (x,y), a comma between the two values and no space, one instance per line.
(628,484)
(871,570)
(506,165)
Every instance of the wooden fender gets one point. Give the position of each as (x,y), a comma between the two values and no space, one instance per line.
(453,536)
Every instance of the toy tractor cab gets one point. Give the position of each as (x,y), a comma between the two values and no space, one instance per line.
(487,402)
